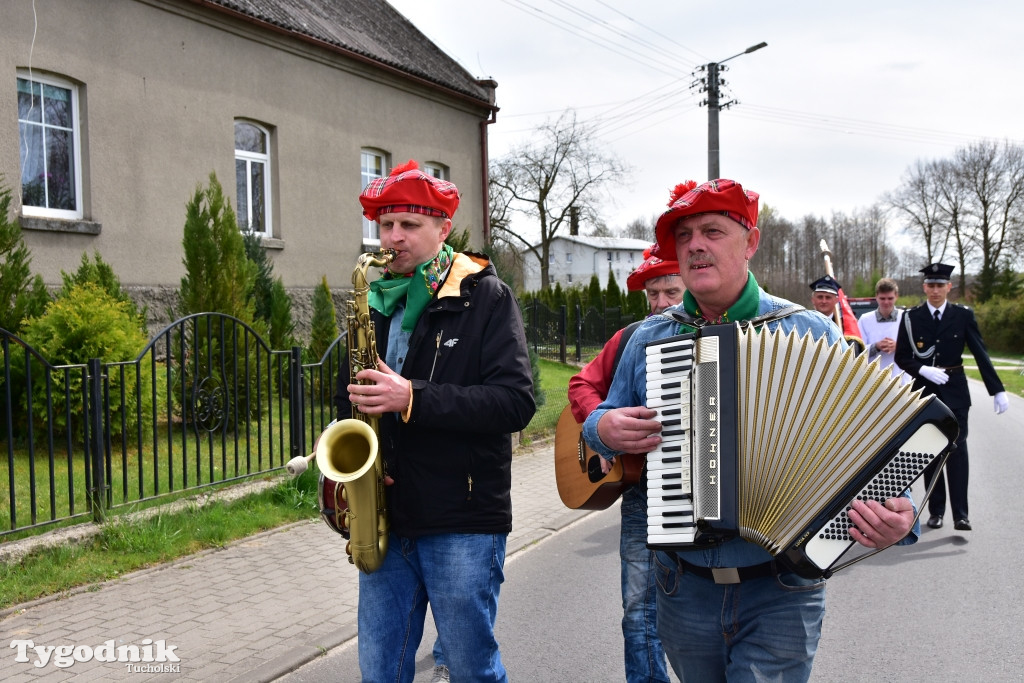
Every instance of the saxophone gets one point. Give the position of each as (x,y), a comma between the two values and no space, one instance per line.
(351,491)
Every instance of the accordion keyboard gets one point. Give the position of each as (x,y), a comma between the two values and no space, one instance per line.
(833,539)
(669,493)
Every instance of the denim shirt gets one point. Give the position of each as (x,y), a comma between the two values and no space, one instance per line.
(629,388)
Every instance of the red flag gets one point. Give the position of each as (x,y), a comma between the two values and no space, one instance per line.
(847,318)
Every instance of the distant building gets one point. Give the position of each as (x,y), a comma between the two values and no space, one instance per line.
(114,112)
(574,260)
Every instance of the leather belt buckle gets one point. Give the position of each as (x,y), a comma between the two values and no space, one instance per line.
(725,575)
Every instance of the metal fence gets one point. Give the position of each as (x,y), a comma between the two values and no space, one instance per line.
(570,335)
(206,402)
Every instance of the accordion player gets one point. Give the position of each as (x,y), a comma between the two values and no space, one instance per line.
(763,437)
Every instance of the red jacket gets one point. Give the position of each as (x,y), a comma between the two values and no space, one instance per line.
(589,387)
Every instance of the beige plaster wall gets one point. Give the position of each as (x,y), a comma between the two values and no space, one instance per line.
(162,84)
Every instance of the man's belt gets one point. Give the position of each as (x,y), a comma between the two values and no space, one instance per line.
(727,575)
(955,370)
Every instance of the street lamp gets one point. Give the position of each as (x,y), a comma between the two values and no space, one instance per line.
(714,107)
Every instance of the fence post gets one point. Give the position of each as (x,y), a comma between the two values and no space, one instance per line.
(296,400)
(533,322)
(579,334)
(97,499)
(562,324)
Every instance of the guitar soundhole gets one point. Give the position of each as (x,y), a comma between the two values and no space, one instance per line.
(594,469)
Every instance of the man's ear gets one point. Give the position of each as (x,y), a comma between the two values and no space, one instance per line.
(446,229)
(753,238)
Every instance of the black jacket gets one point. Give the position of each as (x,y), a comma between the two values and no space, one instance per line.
(942,345)
(472,387)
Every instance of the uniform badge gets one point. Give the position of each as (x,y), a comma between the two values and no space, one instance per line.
(920,344)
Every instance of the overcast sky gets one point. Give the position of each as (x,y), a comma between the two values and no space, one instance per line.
(845,97)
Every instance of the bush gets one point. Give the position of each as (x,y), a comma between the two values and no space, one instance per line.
(99,273)
(219,278)
(324,323)
(1000,321)
(85,323)
(273,305)
(21,295)
(538,392)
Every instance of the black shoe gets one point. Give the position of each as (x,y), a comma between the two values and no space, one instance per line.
(935,522)
(962,524)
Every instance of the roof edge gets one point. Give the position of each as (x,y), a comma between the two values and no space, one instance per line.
(488,84)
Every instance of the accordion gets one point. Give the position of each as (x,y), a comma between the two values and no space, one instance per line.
(771,436)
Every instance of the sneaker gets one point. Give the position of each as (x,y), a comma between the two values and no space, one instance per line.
(440,674)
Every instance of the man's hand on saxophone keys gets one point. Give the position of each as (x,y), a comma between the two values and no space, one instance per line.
(384,391)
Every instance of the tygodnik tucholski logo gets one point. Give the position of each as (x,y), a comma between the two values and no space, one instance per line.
(150,656)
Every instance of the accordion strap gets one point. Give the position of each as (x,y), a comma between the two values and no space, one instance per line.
(685,318)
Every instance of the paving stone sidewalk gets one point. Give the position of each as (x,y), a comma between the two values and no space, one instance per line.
(251,611)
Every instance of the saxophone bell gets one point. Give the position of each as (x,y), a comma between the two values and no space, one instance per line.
(351,486)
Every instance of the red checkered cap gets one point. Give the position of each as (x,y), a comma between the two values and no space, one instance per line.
(722,196)
(409,189)
(652,267)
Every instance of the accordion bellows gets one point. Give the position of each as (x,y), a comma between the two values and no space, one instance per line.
(782,433)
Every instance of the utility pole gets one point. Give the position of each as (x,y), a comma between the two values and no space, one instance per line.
(712,85)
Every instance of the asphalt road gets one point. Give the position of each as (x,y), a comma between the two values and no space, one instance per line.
(945,609)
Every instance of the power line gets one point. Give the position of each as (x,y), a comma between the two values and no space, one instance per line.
(828,122)
(657,63)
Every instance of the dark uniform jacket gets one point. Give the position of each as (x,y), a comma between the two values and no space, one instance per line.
(472,387)
(923,342)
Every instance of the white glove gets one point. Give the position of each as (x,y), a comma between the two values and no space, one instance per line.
(934,375)
(1002,403)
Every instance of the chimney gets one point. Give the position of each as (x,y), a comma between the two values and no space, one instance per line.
(574,221)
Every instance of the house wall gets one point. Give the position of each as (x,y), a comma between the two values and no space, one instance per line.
(586,260)
(161,86)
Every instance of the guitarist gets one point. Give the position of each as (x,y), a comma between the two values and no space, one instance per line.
(644,659)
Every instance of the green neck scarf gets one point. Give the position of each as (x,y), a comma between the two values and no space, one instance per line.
(745,308)
(414,289)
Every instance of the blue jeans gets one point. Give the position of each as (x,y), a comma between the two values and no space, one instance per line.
(645,659)
(460,575)
(763,629)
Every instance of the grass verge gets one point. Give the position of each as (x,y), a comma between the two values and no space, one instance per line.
(1009,367)
(125,543)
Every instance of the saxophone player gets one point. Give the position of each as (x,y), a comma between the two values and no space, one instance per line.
(454,381)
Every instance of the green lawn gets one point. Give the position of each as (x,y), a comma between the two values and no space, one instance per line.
(554,382)
(1013,379)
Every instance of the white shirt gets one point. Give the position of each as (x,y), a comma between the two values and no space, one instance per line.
(872,331)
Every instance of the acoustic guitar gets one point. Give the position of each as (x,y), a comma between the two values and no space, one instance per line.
(581,484)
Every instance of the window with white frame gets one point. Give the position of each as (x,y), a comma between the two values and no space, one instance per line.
(439,171)
(373,165)
(568,257)
(252,177)
(50,146)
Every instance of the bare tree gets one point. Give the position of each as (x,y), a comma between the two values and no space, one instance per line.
(640,229)
(972,204)
(917,202)
(992,177)
(561,171)
(951,204)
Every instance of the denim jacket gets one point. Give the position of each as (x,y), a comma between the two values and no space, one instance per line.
(629,388)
